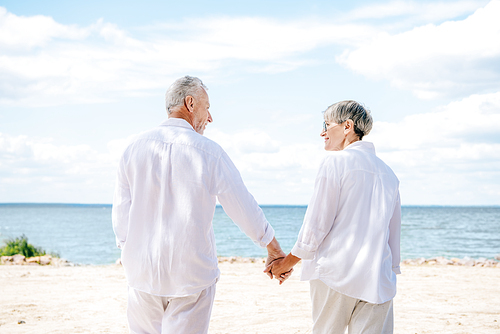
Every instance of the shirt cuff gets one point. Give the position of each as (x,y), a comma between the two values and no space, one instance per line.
(119,244)
(302,253)
(267,238)
(397,270)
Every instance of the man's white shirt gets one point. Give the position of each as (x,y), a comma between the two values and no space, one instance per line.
(350,237)
(168,181)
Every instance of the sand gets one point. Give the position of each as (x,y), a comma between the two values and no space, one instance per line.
(92,299)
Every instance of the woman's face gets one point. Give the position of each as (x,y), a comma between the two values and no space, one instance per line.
(334,136)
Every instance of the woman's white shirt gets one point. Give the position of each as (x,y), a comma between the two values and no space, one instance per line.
(350,237)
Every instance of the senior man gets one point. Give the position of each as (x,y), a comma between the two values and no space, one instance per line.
(168,181)
(350,236)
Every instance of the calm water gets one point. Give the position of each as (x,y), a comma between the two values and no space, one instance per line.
(83,234)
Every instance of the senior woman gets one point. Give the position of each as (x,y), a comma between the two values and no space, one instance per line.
(349,240)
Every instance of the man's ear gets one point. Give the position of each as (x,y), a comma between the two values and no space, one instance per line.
(189,103)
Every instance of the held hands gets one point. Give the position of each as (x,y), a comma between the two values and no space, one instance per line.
(282,268)
(278,263)
(274,254)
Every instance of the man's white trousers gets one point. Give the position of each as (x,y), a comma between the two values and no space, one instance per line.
(169,315)
(333,312)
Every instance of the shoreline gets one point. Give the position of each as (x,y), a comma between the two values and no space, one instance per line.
(440,260)
(92,299)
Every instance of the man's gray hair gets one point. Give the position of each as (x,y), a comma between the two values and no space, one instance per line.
(344,110)
(180,89)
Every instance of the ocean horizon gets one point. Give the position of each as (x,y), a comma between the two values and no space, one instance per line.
(218,205)
(82,233)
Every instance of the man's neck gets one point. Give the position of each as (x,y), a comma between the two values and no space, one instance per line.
(182,113)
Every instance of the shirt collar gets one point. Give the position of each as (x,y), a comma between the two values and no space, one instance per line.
(177,122)
(362,146)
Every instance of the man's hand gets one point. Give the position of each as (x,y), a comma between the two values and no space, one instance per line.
(274,252)
(281,269)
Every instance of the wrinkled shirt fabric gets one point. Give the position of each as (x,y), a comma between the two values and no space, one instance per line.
(168,181)
(350,237)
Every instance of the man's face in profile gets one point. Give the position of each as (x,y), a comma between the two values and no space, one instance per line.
(201,114)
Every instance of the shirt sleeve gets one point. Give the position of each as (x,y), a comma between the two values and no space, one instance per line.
(320,215)
(395,236)
(121,207)
(240,205)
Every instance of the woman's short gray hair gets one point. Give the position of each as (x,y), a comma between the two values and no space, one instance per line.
(180,89)
(344,110)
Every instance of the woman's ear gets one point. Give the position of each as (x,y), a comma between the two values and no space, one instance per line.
(348,126)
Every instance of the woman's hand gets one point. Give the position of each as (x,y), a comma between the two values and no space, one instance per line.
(282,269)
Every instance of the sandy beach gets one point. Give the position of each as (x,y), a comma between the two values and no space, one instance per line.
(92,299)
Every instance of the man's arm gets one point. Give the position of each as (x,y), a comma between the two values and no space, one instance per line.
(242,208)
(121,208)
(395,236)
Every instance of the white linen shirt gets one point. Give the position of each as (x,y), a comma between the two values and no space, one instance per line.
(167,184)
(350,237)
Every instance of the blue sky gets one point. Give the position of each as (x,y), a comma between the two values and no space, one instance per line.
(77,79)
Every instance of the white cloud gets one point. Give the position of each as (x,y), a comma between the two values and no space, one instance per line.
(455,58)
(265,39)
(450,156)
(43,62)
(275,172)
(256,150)
(473,120)
(416,11)
(38,170)
(117,146)
(19,32)
(439,156)
(244,142)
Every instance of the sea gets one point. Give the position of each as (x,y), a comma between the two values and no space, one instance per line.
(83,234)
